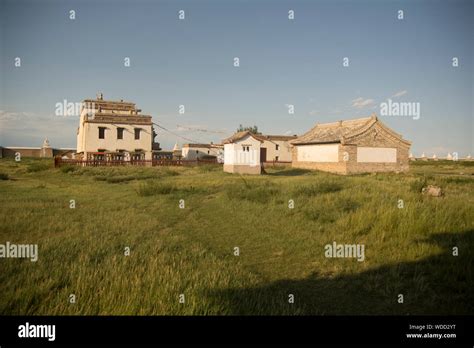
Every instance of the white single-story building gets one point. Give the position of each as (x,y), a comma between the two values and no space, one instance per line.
(198,151)
(245,152)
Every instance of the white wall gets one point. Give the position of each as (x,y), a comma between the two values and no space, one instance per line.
(80,134)
(235,155)
(318,153)
(189,153)
(376,155)
(110,141)
(88,138)
(229,153)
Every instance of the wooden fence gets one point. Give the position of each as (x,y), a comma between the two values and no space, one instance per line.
(59,162)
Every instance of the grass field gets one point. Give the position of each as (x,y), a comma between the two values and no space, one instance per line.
(190,251)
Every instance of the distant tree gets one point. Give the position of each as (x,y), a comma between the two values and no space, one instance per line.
(253,129)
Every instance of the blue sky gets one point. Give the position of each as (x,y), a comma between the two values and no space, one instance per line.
(282,62)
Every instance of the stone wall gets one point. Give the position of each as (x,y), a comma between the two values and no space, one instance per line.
(376,136)
(333,167)
(33,152)
(45,152)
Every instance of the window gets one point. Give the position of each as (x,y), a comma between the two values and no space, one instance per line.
(119,133)
(277,147)
(276,158)
(137,133)
(101,132)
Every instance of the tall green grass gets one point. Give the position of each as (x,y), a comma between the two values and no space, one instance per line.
(280,222)
(150,188)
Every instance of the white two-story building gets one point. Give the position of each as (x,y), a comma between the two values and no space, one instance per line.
(114,130)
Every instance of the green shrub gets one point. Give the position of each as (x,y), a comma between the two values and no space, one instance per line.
(38,167)
(68,169)
(417,185)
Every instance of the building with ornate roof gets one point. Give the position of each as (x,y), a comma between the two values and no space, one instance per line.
(114,130)
(353,146)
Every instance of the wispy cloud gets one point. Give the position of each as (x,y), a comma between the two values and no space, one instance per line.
(14,116)
(399,94)
(198,128)
(360,103)
(185,128)
(19,128)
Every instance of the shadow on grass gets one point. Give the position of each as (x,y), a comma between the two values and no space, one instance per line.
(436,285)
(290,172)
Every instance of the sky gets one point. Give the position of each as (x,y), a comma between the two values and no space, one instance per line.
(283,62)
